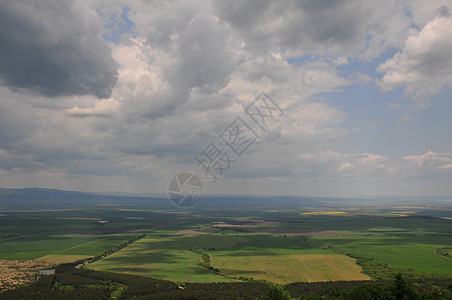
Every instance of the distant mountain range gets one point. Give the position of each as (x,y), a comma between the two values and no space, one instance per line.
(38,198)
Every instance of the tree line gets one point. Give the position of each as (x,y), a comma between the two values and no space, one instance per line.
(71,283)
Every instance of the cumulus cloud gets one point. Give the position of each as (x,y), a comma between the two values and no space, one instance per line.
(429,159)
(184,70)
(424,65)
(330,164)
(188,52)
(102,108)
(429,165)
(54,48)
(366,166)
(316,27)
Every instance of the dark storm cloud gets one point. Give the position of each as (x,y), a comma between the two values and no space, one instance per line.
(300,27)
(15,123)
(54,48)
(191,67)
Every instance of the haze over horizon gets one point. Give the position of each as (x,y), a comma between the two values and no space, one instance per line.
(123,95)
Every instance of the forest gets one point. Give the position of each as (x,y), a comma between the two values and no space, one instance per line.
(69,282)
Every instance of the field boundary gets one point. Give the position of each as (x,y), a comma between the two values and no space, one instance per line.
(90,260)
(444,252)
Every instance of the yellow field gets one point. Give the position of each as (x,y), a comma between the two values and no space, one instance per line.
(323,213)
(284,269)
(77,218)
(62,258)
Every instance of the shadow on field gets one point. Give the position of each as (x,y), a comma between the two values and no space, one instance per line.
(138,256)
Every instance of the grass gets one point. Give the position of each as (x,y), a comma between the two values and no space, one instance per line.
(41,246)
(70,235)
(273,258)
(290,268)
(64,233)
(62,258)
(36,247)
(167,257)
(175,265)
(414,252)
(283,260)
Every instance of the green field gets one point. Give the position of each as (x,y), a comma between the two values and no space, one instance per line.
(59,245)
(417,253)
(278,245)
(33,235)
(290,268)
(274,258)
(167,257)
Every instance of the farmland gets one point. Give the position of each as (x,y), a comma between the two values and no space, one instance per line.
(246,255)
(290,268)
(273,249)
(166,257)
(417,253)
(280,245)
(43,234)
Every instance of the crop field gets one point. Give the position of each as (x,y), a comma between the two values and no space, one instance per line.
(274,258)
(167,257)
(50,246)
(64,234)
(282,246)
(417,253)
(284,259)
(290,268)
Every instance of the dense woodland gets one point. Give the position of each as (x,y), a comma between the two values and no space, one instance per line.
(71,283)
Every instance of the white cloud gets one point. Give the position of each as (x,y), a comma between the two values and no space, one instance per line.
(429,158)
(424,65)
(191,67)
(327,165)
(102,108)
(344,167)
(371,158)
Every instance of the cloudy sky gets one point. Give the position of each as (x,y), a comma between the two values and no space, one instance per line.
(123,95)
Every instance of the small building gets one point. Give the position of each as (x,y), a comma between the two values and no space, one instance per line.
(101,222)
(46,272)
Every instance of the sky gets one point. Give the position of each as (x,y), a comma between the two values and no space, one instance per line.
(108,95)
